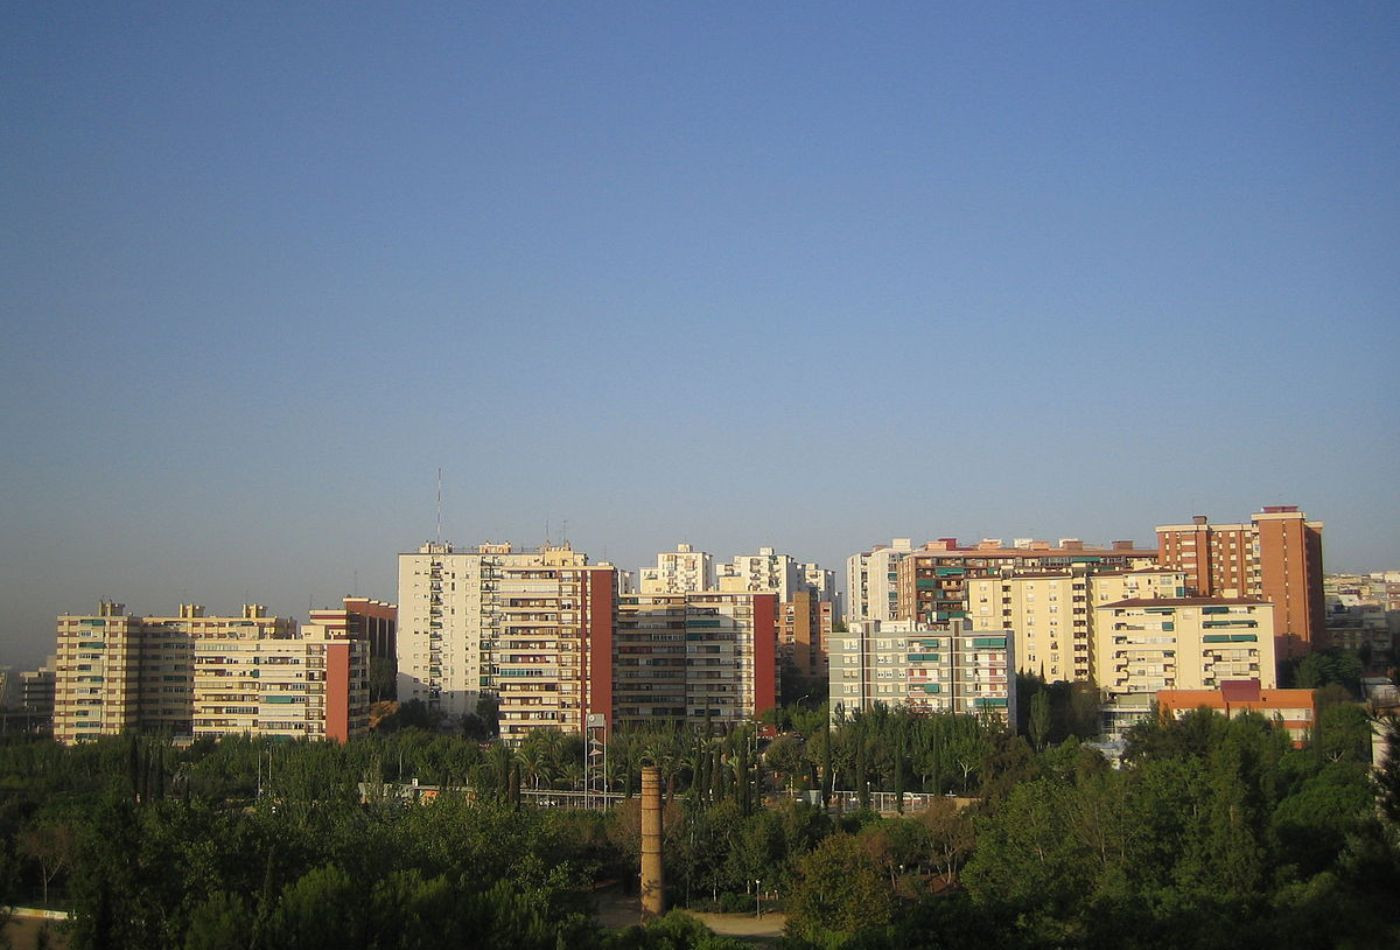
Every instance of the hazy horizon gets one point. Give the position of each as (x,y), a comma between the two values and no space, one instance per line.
(807,277)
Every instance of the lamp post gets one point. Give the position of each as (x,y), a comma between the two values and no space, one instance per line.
(758,898)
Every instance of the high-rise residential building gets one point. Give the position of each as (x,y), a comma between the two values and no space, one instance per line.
(195,674)
(360,618)
(933,580)
(311,685)
(805,624)
(532,628)
(96,688)
(682,571)
(694,657)
(1276,557)
(1149,644)
(1052,612)
(949,668)
(765,571)
(823,585)
(872,582)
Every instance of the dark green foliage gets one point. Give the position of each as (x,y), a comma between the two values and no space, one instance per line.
(675,931)
(1215,833)
(838,892)
(1321,668)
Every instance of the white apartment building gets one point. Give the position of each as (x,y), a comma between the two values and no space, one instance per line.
(525,626)
(764,571)
(1052,612)
(682,571)
(902,663)
(1145,644)
(872,582)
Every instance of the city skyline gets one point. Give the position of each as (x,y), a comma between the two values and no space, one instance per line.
(728,276)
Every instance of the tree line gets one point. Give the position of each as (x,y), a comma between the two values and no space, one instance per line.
(1214,832)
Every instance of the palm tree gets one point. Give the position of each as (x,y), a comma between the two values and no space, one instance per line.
(499,761)
(534,760)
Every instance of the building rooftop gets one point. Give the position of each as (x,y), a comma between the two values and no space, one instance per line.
(1184,601)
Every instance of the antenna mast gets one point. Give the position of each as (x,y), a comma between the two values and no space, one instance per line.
(439,505)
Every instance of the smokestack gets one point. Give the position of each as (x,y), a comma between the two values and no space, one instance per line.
(653,882)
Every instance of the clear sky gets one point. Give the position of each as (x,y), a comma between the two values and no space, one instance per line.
(796,274)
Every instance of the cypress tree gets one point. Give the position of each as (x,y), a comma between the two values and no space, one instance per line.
(826,768)
(743,775)
(133,765)
(899,768)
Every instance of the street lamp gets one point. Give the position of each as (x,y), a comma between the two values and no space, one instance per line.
(758,898)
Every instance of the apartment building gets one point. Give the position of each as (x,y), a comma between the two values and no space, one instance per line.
(195,674)
(359,618)
(694,657)
(765,571)
(948,668)
(682,571)
(1146,645)
(311,685)
(1361,612)
(533,628)
(1293,709)
(37,689)
(1052,612)
(932,581)
(872,582)
(805,624)
(822,583)
(1276,557)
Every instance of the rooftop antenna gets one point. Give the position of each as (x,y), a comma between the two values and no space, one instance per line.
(439,504)
(566,531)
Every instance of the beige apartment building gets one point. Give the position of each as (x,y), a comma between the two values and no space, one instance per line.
(1276,557)
(311,685)
(932,581)
(195,674)
(532,628)
(1149,644)
(1052,612)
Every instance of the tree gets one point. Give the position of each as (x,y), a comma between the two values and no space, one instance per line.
(1040,719)
(221,922)
(383,679)
(1026,857)
(827,774)
(950,836)
(1387,777)
(53,844)
(838,892)
(321,909)
(1343,733)
(784,756)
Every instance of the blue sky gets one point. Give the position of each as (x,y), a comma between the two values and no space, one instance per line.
(808,275)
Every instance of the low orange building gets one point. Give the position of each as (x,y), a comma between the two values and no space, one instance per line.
(1296,708)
